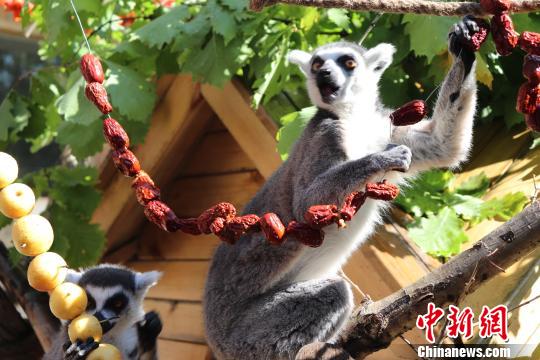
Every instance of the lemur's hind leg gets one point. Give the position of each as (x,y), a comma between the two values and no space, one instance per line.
(283,320)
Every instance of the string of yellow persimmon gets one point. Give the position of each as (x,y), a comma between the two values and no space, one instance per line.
(33,236)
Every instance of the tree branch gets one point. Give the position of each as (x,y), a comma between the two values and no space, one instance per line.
(374,325)
(35,304)
(426,7)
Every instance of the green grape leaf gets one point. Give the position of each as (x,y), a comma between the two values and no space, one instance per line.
(439,235)
(222,21)
(7,119)
(293,125)
(74,106)
(438,27)
(262,84)
(340,17)
(475,185)
(84,140)
(203,65)
(14,115)
(236,5)
(131,94)
(426,193)
(476,210)
(503,208)
(162,30)
(55,16)
(81,243)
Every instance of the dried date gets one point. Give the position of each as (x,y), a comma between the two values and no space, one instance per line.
(353,202)
(305,234)
(528,98)
(408,114)
(382,191)
(115,134)
(273,228)
(504,35)
(222,210)
(319,216)
(531,68)
(161,215)
(533,120)
(495,6)
(96,93)
(91,69)
(145,189)
(530,42)
(126,162)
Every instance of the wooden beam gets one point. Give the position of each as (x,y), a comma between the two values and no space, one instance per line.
(177,122)
(253,130)
(181,281)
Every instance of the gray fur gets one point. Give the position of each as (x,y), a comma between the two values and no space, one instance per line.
(101,283)
(265,302)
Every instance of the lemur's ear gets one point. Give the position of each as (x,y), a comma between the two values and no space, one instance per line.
(145,280)
(380,57)
(300,58)
(73,276)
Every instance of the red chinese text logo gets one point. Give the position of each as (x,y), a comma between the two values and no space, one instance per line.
(491,322)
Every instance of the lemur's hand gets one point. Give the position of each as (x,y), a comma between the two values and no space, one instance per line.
(79,350)
(460,34)
(396,157)
(149,329)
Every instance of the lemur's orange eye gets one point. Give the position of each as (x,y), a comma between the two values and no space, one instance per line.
(316,66)
(350,64)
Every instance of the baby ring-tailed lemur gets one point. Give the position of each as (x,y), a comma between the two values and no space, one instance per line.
(115,296)
(265,302)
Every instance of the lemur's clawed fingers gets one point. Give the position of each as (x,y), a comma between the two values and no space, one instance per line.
(397,158)
(80,350)
(461,34)
(149,329)
(152,324)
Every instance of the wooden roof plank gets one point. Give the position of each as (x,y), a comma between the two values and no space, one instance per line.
(181,280)
(249,128)
(181,321)
(177,122)
(177,350)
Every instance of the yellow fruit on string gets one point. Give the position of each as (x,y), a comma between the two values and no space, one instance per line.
(32,235)
(16,200)
(105,352)
(9,170)
(68,301)
(47,271)
(83,327)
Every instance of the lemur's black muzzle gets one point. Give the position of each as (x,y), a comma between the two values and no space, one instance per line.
(326,84)
(106,322)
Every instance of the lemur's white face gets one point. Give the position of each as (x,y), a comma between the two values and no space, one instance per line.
(115,294)
(340,73)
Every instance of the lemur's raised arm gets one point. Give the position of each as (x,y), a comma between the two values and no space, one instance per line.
(115,296)
(444,140)
(265,302)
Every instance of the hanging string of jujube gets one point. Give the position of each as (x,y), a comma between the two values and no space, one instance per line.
(223,219)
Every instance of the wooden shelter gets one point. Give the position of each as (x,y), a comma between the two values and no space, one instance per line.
(207,145)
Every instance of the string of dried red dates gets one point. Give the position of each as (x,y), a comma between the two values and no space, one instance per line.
(506,40)
(222,219)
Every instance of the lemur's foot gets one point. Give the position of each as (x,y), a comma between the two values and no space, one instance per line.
(460,34)
(79,350)
(396,157)
(149,329)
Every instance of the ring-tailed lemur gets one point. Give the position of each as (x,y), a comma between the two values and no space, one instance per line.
(115,293)
(265,302)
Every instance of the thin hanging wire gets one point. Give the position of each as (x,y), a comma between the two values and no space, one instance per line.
(83,33)
(80,25)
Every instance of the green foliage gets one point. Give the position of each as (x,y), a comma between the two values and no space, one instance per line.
(215,40)
(441,210)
